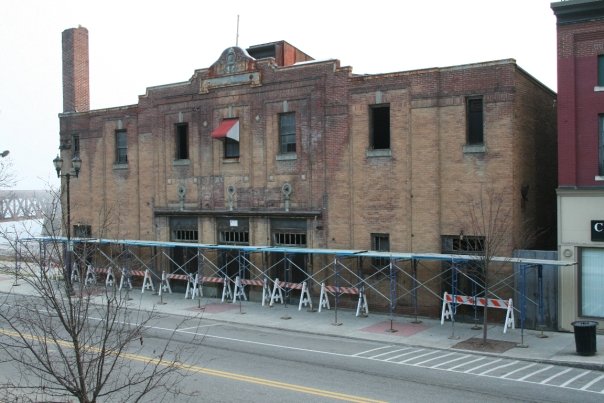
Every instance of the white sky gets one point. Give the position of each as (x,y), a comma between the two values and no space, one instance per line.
(137,44)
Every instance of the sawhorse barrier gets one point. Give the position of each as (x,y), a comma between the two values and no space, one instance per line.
(277,294)
(239,292)
(201,280)
(92,273)
(448,299)
(362,306)
(126,279)
(165,282)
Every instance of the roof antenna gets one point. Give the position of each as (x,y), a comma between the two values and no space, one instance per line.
(237,38)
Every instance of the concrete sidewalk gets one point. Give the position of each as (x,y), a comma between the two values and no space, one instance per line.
(549,347)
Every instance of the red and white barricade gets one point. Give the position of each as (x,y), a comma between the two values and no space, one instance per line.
(93,273)
(448,299)
(239,292)
(362,306)
(126,277)
(201,280)
(165,282)
(277,294)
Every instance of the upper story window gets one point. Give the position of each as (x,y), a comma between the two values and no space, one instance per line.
(75,144)
(601,147)
(475,123)
(287,133)
(182,141)
(380,127)
(600,70)
(121,147)
(228,131)
(231,148)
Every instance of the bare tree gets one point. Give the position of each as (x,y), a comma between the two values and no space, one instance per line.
(80,341)
(490,221)
(7,174)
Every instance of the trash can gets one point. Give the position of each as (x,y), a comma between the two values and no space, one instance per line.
(585,336)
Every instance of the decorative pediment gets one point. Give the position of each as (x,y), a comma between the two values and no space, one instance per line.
(234,67)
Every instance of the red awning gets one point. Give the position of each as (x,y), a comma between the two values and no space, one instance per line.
(227,128)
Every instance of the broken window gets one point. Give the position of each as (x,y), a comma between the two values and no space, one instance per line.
(380,127)
(475,124)
(182,141)
(121,147)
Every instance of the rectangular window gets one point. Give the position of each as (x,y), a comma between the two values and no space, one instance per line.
(380,127)
(287,133)
(184,230)
(380,243)
(601,148)
(182,141)
(75,144)
(592,282)
(82,231)
(231,148)
(121,147)
(462,245)
(600,70)
(475,121)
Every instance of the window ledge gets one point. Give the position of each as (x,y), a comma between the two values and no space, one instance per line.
(382,152)
(598,89)
(230,160)
(599,178)
(117,166)
(474,148)
(181,162)
(286,157)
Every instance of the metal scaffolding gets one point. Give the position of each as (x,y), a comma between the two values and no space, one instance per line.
(395,278)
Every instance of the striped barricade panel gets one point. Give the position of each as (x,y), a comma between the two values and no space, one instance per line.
(362,305)
(201,280)
(448,299)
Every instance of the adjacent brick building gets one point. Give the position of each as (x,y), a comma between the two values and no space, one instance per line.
(270,147)
(580,31)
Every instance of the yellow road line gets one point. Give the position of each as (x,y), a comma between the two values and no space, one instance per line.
(227,375)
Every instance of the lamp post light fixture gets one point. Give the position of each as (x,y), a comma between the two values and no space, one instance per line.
(76,164)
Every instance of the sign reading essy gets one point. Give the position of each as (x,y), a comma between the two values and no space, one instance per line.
(597,230)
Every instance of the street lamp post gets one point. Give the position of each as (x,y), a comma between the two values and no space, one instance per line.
(76,164)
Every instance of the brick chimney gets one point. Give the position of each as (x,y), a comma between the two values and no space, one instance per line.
(76,85)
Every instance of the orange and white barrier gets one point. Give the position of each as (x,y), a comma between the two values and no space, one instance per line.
(165,282)
(239,291)
(200,280)
(362,306)
(277,294)
(126,277)
(448,299)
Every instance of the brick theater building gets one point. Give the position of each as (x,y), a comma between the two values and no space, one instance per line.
(269,147)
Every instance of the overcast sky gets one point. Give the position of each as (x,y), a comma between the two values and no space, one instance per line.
(138,44)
